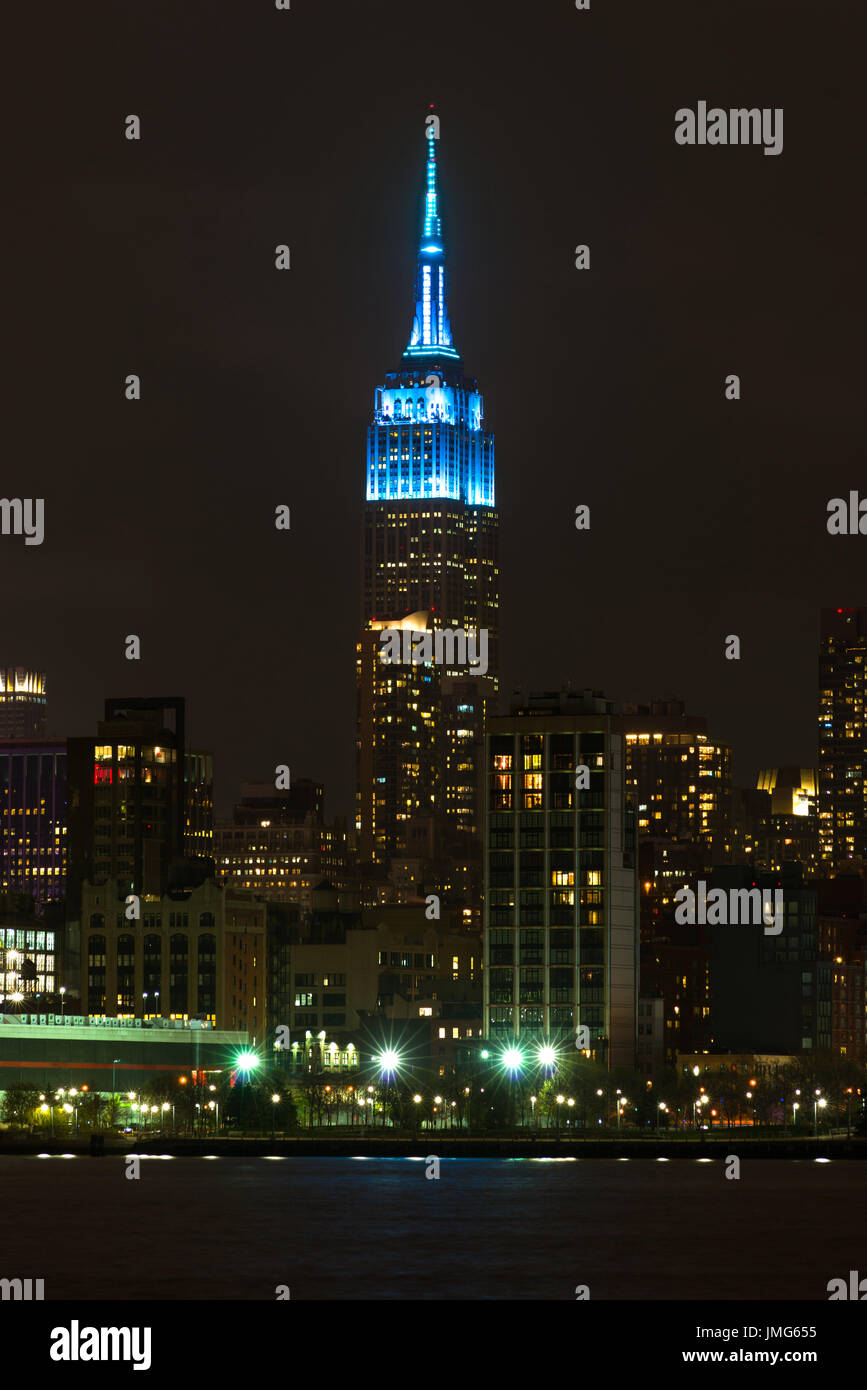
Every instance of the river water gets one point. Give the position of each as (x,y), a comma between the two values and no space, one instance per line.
(343,1228)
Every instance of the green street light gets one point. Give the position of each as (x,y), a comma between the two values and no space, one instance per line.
(512,1059)
(388,1062)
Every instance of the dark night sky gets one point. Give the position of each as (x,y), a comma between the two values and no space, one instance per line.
(306,127)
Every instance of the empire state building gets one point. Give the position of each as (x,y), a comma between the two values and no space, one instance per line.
(429,562)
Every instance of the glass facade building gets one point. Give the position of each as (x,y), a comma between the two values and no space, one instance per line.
(33,800)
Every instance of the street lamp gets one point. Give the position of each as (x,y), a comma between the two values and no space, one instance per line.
(245,1062)
(512,1059)
(848,1112)
(275,1101)
(818,1104)
(388,1064)
(62,999)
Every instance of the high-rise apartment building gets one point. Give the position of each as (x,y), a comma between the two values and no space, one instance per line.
(679,783)
(33,818)
(679,778)
(430,537)
(561,909)
(793,824)
(843,942)
(278,845)
(770,992)
(842,737)
(22,703)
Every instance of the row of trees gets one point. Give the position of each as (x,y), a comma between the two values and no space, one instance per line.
(483,1094)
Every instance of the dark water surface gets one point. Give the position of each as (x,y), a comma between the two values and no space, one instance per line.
(341,1228)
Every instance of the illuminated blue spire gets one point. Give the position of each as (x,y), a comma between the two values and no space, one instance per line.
(431,336)
(427,438)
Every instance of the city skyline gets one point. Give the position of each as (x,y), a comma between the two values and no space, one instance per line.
(256,384)
(433,676)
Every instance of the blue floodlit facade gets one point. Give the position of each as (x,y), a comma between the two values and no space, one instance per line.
(427,438)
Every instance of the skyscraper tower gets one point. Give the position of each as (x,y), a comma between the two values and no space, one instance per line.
(429,548)
(843,738)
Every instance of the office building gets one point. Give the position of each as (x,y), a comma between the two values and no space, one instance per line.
(140,802)
(196,954)
(561,908)
(429,555)
(399,739)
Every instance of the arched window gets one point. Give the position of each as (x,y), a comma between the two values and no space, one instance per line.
(126,974)
(152,975)
(179,974)
(207,975)
(96,974)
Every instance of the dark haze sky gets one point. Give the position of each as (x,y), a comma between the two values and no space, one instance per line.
(306,127)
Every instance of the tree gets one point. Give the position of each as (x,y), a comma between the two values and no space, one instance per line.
(21,1105)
